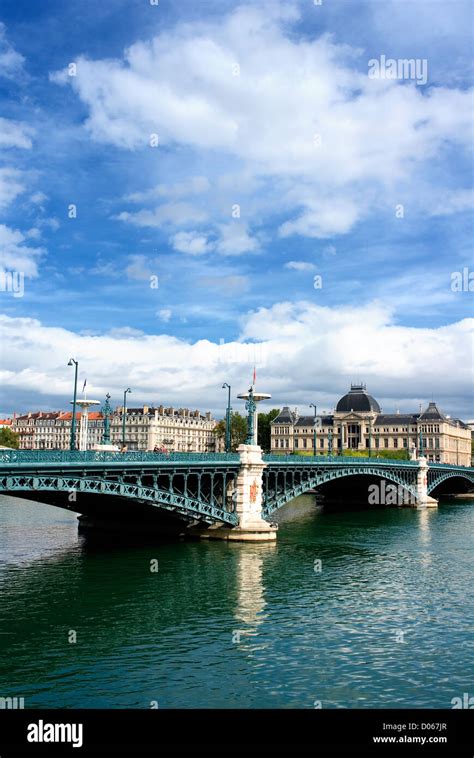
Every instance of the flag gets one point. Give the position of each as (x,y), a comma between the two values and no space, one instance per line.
(85,382)
(254,375)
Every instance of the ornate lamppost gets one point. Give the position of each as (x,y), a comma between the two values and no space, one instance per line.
(312,405)
(251,407)
(227,420)
(107,411)
(72,444)
(124,413)
(420,447)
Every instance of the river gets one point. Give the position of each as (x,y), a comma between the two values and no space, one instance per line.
(349,609)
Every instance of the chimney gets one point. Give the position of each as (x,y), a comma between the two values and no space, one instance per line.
(145,409)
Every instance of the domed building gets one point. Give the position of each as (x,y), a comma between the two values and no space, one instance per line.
(358,423)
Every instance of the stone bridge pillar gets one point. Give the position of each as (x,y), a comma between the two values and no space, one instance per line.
(249,499)
(423,500)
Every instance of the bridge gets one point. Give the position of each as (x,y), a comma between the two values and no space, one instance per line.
(215,495)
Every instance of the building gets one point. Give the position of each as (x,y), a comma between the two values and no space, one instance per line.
(358,423)
(146,428)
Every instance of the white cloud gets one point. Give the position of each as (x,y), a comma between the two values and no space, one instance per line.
(335,345)
(192,243)
(16,255)
(195,185)
(300,112)
(139,268)
(234,239)
(11,62)
(167,213)
(300,266)
(15,134)
(164,314)
(11,185)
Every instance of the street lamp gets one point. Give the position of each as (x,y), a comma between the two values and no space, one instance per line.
(312,405)
(72,444)
(124,413)
(420,449)
(227,419)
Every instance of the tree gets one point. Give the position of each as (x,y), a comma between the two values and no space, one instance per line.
(264,428)
(9,438)
(238,430)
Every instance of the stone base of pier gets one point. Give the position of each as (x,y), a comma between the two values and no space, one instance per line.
(427,502)
(258,533)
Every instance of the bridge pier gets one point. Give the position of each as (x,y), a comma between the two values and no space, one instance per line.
(249,498)
(423,500)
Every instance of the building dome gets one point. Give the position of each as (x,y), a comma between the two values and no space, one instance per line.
(357,400)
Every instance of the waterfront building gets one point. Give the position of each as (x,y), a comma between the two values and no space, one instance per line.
(357,423)
(146,428)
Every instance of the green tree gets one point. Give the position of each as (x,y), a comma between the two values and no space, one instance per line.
(9,438)
(264,428)
(238,430)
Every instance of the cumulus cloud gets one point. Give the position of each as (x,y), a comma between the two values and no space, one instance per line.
(399,364)
(298,111)
(16,254)
(192,243)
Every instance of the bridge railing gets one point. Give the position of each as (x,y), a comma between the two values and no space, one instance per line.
(91,456)
(316,460)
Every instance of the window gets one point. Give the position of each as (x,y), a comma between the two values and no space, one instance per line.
(385,442)
(395,443)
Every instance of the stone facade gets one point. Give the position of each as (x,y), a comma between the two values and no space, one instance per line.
(146,428)
(357,423)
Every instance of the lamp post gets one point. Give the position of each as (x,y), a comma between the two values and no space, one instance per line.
(227,419)
(251,407)
(312,405)
(124,414)
(72,444)
(420,448)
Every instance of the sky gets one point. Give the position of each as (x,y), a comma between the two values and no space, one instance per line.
(191,189)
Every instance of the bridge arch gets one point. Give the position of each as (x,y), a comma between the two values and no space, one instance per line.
(276,500)
(164,500)
(436,477)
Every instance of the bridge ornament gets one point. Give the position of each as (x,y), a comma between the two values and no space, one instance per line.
(210,495)
(251,407)
(108,412)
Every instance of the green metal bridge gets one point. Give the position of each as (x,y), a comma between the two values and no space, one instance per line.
(192,488)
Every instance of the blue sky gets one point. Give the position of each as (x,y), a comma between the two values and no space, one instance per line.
(278,160)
